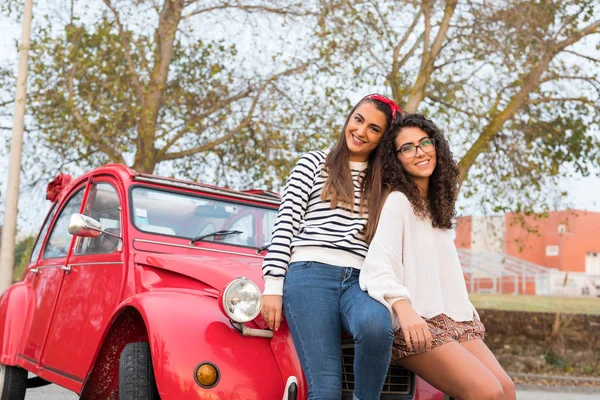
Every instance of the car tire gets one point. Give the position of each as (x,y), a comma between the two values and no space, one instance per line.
(13,382)
(136,375)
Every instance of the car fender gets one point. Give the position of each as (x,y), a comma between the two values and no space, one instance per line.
(14,314)
(186,329)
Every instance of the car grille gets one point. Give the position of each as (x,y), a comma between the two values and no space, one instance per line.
(398,384)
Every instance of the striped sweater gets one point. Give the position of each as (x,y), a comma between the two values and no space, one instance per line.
(307,229)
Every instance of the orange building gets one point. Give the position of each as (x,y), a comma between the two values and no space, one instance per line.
(568,240)
(563,241)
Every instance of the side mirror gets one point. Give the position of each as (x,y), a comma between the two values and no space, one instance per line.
(84,226)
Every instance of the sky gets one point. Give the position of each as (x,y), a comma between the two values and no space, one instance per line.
(583,193)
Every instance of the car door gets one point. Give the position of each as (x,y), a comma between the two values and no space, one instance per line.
(45,277)
(91,289)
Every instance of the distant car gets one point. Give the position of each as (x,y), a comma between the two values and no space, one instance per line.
(145,287)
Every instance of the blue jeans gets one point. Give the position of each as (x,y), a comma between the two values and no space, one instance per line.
(320,302)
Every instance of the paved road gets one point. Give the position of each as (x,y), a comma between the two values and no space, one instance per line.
(53,392)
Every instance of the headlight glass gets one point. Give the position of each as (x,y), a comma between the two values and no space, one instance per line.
(242,300)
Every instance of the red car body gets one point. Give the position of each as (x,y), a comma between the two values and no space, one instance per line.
(71,316)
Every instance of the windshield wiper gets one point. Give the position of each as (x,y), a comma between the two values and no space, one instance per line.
(217,233)
(262,248)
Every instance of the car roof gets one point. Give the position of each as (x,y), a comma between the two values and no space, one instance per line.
(128,175)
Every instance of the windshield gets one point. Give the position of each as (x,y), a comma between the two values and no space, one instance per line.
(189,216)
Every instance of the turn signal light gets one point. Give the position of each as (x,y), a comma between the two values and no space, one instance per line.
(207,375)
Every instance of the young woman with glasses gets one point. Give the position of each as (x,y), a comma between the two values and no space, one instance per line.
(318,247)
(413,269)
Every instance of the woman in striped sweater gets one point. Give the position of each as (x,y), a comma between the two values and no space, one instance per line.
(318,247)
(413,269)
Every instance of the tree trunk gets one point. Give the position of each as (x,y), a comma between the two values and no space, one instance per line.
(144,165)
(146,152)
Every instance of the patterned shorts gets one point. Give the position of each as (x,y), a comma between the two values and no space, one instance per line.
(443,330)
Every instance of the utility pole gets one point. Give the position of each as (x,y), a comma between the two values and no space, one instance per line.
(14,169)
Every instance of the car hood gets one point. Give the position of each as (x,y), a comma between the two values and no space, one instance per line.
(214,271)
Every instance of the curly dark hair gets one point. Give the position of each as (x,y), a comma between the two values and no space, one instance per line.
(443,182)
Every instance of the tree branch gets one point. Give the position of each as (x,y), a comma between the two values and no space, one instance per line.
(169,19)
(532,80)
(83,125)
(442,32)
(223,103)
(588,30)
(591,79)
(125,44)
(452,106)
(382,21)
(596,60)
(410,52)
(565,99)
(212,144)
(408,32)
(571,19)
(440,66)
(417,93)
(285,11)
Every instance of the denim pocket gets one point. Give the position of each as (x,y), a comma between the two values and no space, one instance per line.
(299,265)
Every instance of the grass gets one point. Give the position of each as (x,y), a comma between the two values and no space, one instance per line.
(566,305)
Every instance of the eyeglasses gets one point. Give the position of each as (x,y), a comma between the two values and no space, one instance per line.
(410,150)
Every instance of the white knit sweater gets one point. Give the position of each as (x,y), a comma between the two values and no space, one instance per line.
(409,258)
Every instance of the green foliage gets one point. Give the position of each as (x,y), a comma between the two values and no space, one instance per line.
(154,85)
(22,254)
(515,83)
(158,96)
(556,360)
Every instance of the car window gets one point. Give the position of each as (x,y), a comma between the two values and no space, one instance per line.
(60,238)
(35,253)
(186,215)
(246,238)
(102,205)
(268,223)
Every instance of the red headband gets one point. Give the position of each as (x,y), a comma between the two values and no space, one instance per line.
(394,108)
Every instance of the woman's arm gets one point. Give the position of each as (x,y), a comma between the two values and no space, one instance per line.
(382,273)
(291,213)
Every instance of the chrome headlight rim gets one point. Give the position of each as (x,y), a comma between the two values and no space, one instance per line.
(224,300)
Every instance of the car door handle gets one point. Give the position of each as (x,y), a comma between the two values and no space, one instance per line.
(66,268)
(34,270)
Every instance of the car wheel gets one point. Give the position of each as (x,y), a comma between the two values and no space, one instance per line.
(13,382)
(136,375)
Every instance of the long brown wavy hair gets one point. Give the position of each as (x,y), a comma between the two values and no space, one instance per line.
(443,182)
(338,187)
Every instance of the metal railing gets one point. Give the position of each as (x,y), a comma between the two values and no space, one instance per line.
(487,272)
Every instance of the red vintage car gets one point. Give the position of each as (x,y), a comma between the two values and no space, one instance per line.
(145,287)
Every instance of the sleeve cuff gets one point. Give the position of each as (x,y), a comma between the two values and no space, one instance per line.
(273,286)
(392,300)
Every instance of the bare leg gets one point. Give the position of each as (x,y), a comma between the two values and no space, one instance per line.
(456,372)
(483,354)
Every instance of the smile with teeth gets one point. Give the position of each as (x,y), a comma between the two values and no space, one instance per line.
(358,140)
(422,163)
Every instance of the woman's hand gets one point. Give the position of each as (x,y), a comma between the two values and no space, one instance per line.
(415,330)
(272,310)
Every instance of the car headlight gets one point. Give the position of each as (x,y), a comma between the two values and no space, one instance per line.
(241,300)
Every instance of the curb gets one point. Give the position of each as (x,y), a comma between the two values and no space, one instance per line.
(562,378)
